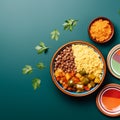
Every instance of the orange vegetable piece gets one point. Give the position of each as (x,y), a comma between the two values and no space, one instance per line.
(86,88)
(64,79)
(68,76)
(58,78)
(72,73)
(75,79)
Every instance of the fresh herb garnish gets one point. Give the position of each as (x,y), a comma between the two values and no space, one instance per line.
(27,69)
(36,83)
(40,65)
(70,24)
(41,48)
(55,34)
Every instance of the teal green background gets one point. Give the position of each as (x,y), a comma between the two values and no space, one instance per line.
(23,24)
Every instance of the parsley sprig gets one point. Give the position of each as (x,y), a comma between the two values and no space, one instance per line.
(41,48)
(28,69)
(70,24)
(36,83)
(55,34)
(40,65)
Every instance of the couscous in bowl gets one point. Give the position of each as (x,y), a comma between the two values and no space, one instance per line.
(78,68)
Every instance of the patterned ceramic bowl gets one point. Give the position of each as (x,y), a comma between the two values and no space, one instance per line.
(78,68)
(113,61)
(108,100)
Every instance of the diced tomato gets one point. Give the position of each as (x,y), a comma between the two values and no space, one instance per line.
(65,85)
(86,88)
(64,79)
(58,78)
(75,79)
(69,88)
(72,73)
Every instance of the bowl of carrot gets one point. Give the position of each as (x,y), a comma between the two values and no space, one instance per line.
(101,30)
(78,68)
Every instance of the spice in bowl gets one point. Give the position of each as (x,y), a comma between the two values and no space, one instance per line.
(101,30)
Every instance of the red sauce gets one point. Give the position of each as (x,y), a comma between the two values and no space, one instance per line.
(111,99)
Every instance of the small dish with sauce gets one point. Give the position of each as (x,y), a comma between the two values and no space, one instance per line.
(108,100)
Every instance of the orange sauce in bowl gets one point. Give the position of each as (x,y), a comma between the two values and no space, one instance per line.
(111,100)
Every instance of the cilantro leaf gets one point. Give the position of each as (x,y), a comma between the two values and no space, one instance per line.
(40,65)
(55,34)
(41,48)
(70,24)
(27,69)
(36,83)
(42,44)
